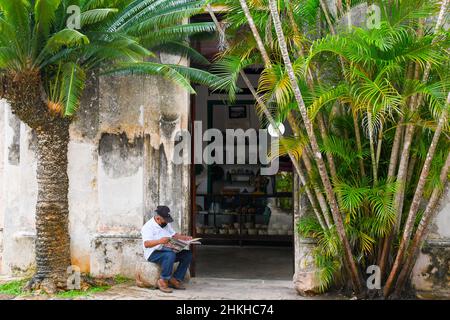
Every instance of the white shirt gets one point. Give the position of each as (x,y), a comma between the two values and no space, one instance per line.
(152,231)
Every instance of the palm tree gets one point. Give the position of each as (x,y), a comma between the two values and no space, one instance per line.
(44,67)
(354,273)
(356,86)
(401,177)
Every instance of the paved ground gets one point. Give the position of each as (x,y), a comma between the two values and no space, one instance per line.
(210,288)
(247,262)
(199,289)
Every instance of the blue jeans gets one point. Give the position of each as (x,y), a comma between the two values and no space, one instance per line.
(167,257)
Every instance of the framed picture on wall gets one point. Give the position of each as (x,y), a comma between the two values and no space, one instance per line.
(237,112)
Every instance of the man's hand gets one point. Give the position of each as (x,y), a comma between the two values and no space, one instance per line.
(164,240)
(183,237)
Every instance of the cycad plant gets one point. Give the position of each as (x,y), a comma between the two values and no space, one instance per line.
(356,99)
(44,66)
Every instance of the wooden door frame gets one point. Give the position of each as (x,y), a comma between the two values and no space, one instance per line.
(192,184)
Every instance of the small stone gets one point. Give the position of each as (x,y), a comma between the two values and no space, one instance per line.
(148,273)
(306,283)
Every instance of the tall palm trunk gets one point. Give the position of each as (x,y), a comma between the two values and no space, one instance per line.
(372,148)
(409,131)
(409,224)
(52,209)
(358,143)
(422,230)
(392,169)
(408,136)
(52,246)
(354,274)
(255,32)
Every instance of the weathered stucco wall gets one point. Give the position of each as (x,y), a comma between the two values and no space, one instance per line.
(431,274)
(118,172)
(83,176)
(19,190)
(2,195)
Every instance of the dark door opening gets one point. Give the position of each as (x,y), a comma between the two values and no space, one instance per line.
(245,218)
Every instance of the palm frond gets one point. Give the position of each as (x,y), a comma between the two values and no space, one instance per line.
(73,80)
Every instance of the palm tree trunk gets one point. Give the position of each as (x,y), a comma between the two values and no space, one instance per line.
(255,32)
(422,230)
(358,142)
(325,10)
(322,202)
(315,148)
(52,209)
(379,144)
(309,170)
(415,103)
(52,245)
(404,157)
(387,240)
(409,225)
(372,149)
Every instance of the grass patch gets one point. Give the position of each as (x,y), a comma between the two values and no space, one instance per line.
(81,293)
(14,288)
(119,279)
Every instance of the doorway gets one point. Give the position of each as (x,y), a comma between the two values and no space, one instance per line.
(245,218)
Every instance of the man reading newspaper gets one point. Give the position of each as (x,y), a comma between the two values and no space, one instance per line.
(162,245)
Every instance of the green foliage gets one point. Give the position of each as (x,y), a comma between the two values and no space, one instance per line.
(119,279)
(357,85)
(116,36)
(13,288)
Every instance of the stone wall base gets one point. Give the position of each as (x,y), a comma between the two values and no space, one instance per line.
(430,277)
(115,254)
(18,257)
(305,279)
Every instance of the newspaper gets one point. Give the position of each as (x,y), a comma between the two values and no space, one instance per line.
(177,245)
